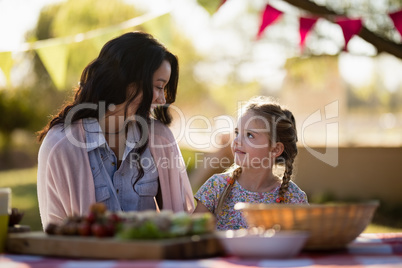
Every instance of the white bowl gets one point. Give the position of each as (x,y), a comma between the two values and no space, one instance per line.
(279,245)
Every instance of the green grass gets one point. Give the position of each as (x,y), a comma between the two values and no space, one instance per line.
(376,228)
(24,194)
(24,197)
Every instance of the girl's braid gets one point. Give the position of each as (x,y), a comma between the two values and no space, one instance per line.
(290,151)
(230,182)
(286,179)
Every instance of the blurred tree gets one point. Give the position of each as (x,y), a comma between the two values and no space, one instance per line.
(59,20)
(19,110)
(79,16)
(374,97)
(193,95)
(378,30)
(73,17)
(28,107)
(395,101)
(304,68)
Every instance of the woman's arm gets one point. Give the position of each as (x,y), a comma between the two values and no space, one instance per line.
(65,184)
(175,186)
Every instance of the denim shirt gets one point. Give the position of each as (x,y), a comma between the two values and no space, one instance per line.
(114,187)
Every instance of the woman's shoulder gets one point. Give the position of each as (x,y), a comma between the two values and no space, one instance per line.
(53,137)
(158,127)
(160,133)
(62,138)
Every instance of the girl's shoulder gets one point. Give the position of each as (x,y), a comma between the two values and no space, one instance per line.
(223,177)
(213,186)
(293,187)
(219,179)
(297,195)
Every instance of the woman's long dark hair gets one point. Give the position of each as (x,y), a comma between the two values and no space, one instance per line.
(130,59)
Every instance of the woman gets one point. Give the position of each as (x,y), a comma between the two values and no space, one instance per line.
(112,143)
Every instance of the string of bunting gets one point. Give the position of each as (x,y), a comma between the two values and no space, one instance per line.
(57,48)
(350,27)
(53,52)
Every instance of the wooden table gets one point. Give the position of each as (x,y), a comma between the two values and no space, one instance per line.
(368,250)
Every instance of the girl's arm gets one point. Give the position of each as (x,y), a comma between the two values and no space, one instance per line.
(201,208)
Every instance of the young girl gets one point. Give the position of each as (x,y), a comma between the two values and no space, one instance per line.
(265,135)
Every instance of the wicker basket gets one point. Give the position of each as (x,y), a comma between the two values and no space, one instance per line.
(331,226)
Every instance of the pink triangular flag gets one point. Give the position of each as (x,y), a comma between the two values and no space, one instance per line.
(397,19)
(304,28)
(350,27)
(268,17)
(221,4)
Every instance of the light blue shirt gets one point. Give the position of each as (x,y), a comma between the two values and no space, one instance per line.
(119,188)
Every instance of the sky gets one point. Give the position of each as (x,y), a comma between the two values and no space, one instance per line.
(16,17)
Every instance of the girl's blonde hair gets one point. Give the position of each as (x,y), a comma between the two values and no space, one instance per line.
(282,129)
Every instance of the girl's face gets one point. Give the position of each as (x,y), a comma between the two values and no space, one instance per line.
(250,146)
(160,79)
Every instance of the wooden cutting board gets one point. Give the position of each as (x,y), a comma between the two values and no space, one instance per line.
(39,243)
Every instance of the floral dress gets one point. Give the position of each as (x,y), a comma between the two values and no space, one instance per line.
(231,219)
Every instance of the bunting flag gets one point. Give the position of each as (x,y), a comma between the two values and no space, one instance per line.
(350,27)
(221,4)
(54,58)
(6,63)
(397,20)
(100,41)
(211,6)
(305,27)
(269,16)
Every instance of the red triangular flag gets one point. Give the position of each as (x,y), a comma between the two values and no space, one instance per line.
(350,27)
(269,16)
(304,28)
(397,19)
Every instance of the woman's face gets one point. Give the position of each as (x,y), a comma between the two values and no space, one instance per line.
(160,79)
